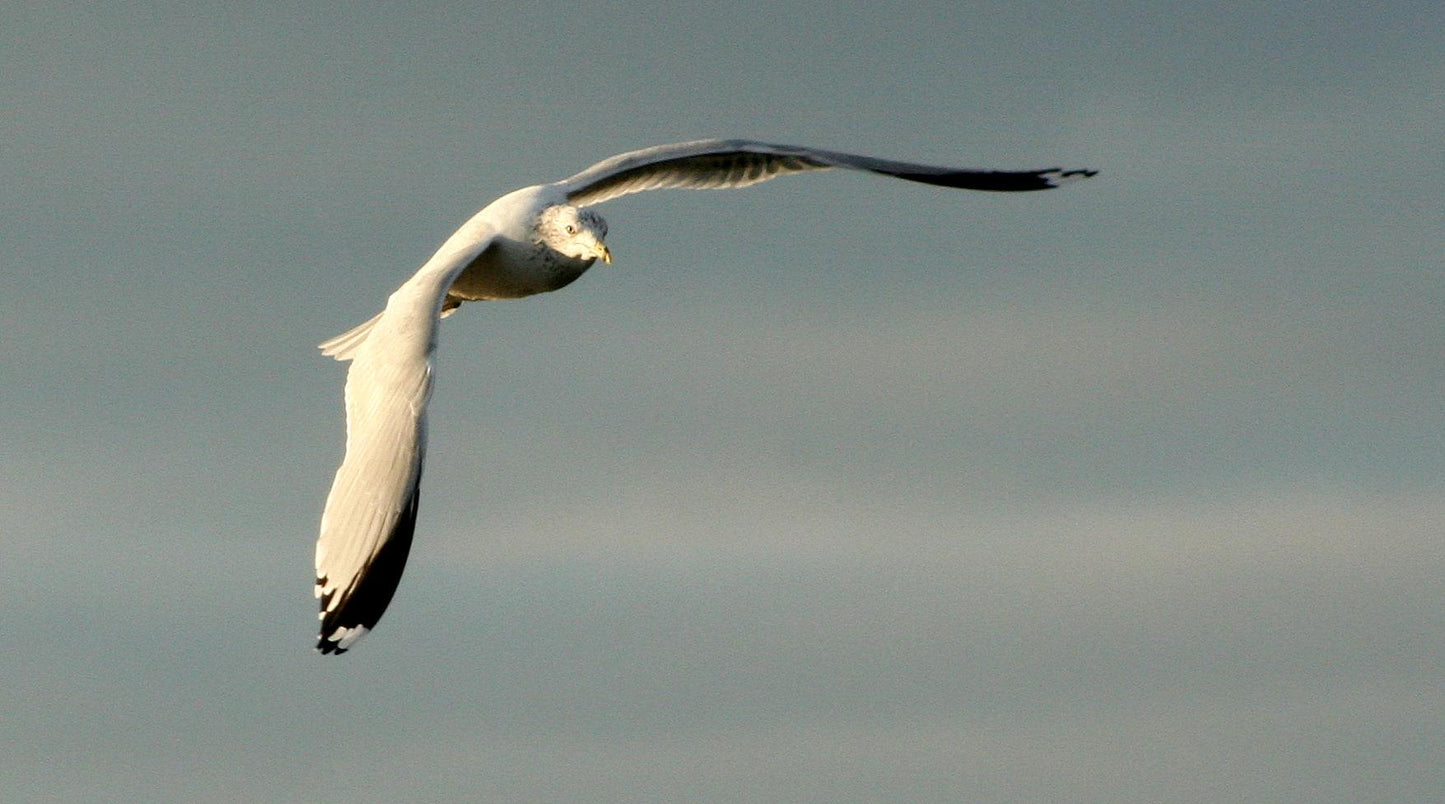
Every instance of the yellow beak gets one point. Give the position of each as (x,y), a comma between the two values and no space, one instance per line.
(604,253)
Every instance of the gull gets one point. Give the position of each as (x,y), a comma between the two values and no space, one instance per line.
(533,240)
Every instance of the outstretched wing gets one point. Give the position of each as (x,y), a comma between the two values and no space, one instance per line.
(717,164)
(370,514)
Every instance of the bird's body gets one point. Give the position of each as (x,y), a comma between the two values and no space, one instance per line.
(533,240)
(516,264)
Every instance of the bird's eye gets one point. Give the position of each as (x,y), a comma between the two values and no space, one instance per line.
(571,230)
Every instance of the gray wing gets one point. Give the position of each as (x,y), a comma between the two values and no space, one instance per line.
(366,528)
(717,164)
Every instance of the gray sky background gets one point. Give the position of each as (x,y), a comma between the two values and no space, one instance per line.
(835,488)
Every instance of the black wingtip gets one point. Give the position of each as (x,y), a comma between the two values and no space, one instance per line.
(999,181)
(367,598)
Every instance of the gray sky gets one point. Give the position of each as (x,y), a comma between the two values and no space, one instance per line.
(836,488)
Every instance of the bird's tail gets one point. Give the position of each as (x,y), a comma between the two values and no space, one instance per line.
(344,346)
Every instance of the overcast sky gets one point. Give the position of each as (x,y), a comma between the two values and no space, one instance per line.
(836,488)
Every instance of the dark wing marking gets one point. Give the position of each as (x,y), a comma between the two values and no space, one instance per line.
(363,603)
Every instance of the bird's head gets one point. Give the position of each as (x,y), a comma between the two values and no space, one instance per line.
(574,232)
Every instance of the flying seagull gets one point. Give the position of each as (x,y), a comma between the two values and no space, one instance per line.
(533,240)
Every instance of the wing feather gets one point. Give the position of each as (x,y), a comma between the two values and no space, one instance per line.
(717,164)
